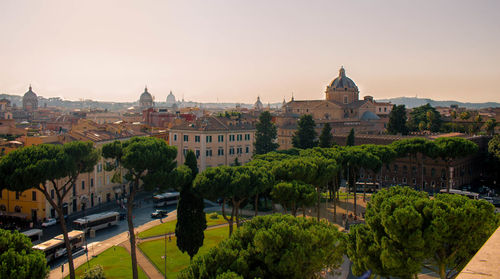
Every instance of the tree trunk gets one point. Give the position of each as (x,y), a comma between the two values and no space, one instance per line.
(273,208)
(442,270)
(58,208)
(229,220)
(318,202)
(364,189)
(304,212)
(256,204)
(334,202)
(265,201)
(236,205)
(130,221)
(353,179)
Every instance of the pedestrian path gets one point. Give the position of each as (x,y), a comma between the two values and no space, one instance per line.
(151,271)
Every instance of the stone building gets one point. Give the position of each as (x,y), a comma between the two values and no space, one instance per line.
(342,109)
(30,101)
(216,141)
(431,173)
(146,100)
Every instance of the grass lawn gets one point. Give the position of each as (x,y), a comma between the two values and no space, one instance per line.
(169,227)
(176,260)
(116,263)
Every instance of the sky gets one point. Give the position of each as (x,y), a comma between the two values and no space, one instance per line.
(235,50)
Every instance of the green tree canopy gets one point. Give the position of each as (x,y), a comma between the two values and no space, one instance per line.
(18,260)
(326,137)
(494,147)
(294,195)
(397,121)
(49,167)
(305,136)
(145,159)
(234,184)
(265,136)
(427,115)
(451,148)
(489,126)
(273,246)
(406,230)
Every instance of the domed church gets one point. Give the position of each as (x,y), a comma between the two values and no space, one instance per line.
(170,100)
(146,100)
(30,100)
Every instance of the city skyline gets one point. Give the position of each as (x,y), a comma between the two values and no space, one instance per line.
(234,52)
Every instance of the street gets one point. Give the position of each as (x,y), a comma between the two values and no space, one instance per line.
(141,215)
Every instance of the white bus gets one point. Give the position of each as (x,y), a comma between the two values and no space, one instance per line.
(470,195)
(166,199)
(55,248)
(97,221)
(35,235)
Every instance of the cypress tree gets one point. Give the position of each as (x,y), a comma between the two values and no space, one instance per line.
(191,220)
(265,135)
(350,138)
(326,138)
(305,136)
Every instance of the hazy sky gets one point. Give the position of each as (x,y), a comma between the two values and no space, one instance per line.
(233,51)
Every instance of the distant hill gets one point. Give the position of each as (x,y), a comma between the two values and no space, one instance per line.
(412,102)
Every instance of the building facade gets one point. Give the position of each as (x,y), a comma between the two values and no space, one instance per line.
(216,141)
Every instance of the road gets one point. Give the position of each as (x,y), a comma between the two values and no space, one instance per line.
(141,215)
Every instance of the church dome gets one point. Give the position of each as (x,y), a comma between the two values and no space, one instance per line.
(258,105)
(369,115)
(342,81)
(146,96)
(170,100)
(30,100)
(146,100)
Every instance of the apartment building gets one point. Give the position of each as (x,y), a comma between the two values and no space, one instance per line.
(216,140)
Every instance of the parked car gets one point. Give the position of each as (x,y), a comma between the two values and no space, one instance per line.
(159,213)
(49,222)
(123,215)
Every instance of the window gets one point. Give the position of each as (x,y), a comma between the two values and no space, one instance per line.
(99,167)
(175,137)
(33,195)
(231,137)
(209,138)
(247,149)
(385,109)
(231,151)
(107,179)
(196,138)
(395,168)
(83,185)
(345,99)
(73,186)
(209,153)
(197,152)
(433,172)
(414,181)
(247,136)
(91,182)
(220,138)
(184,152)
(186,138)
(220,152)
(379,109)
(404,180)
